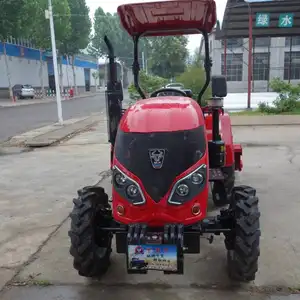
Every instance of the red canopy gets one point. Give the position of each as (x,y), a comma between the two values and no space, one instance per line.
(170,17)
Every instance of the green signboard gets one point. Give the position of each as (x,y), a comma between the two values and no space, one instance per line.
(286,20)
(262,20)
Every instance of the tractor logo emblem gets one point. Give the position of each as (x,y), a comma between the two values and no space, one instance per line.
(157,157)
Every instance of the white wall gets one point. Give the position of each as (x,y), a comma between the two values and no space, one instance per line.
(27,71)
(79,72)
(23,71)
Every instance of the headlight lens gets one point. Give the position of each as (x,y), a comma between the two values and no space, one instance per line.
(132,191)
(182,190)
(128,188)
(120,179)
(185,189)
(197,178)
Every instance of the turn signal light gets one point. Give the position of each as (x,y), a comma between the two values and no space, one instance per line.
(196,210)
(120,210)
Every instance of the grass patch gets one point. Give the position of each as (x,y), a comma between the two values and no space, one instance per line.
(41,282)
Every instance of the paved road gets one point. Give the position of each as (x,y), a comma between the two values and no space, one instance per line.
(16,120)
(34,230)
(95,292)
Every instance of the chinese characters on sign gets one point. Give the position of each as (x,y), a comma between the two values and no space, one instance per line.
(286,20)
(262,20)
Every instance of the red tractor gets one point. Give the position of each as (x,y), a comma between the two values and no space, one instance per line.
(165,151)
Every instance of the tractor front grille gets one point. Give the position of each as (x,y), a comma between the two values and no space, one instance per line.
(182,150)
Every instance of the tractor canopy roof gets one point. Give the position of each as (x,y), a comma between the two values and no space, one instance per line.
(169,17)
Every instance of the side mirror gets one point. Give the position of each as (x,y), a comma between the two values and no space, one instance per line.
(219,86)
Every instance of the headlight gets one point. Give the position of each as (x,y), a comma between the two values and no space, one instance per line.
(120,179)
(182,190)
(185,189)
(132,191)
(197,178)
(128,188)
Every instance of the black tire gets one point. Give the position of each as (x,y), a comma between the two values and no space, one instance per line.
(91,247)
(243,243)
(221,190)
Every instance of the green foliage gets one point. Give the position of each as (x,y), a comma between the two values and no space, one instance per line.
(80,28)
(104,24)
(165,56)
(14,17)
(148,83)
(287,100)
(26,18)
(196,59)
(108,24)
(168,55)
(194,78)
(40,32)
(102,73)
(95,75)
(280,86)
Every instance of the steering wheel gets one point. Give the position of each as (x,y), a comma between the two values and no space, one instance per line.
(166,90)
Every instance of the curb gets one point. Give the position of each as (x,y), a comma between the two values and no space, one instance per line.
(57,135)
(52,134)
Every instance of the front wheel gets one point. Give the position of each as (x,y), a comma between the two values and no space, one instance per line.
(90,246)
(243,242)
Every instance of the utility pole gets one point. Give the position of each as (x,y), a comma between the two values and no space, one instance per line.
(146,64)
(143,60)
(49,15)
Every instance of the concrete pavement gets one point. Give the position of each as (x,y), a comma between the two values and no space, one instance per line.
(26,224)
(51,134)
(20,119)
(119,293)
(36,197)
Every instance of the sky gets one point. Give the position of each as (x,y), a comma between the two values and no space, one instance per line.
(111,6)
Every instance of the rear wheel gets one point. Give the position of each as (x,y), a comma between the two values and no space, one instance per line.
(90,246)
(243,243)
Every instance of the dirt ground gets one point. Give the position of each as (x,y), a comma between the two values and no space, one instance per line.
(36,194)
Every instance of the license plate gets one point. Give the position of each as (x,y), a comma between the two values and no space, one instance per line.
(152,257)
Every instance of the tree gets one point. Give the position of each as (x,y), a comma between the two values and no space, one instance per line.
(79,33)
(13,24)
(168,55)
(194,78)
(40,31)
(11,14)
(197,58)
(148,84)
(96,77)
(104,24)
(109,24)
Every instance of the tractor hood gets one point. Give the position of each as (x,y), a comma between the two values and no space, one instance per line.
(162,114)
(160,139)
